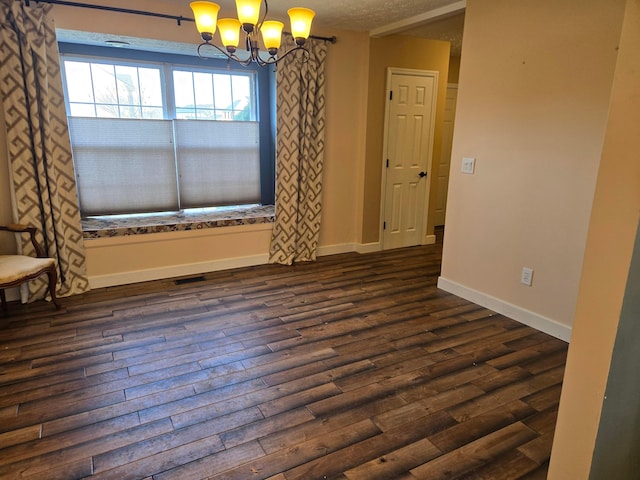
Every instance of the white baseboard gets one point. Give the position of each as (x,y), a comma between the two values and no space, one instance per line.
(430,240)
(335,249)
(135,276)
(522,315)
(368,247)
(124,278)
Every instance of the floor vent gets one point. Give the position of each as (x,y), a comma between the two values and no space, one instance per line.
(184,281)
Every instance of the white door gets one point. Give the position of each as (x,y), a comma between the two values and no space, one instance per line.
(408,145)
(445,157)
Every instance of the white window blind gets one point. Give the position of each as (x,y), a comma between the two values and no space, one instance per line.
(124,165)
(218,162)
(138,166)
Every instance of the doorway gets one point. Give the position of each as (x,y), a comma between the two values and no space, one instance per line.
(408,146)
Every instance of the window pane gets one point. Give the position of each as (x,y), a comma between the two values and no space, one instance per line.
(241,97)
(153,113)
(222,89)
(104,84)
(204,90)
(224,115)
(183,89)
(82,110)
(107,111)
(206,114)
(127,82)
(109,90)
(130,111)
(150,87)
(189,113)
(79,84)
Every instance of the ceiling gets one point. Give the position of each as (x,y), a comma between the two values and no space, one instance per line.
(434,19)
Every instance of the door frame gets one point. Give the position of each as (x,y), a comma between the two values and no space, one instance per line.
(450,87)
(387,111)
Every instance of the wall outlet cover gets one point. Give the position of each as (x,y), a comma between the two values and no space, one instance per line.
(468,165)
(526,277)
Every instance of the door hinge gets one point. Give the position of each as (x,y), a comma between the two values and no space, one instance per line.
(391,95)
(384,225)
(387,163)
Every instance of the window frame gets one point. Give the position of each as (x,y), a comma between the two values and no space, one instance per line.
(264,93)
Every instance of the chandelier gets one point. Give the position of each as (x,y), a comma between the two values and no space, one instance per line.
(249,21)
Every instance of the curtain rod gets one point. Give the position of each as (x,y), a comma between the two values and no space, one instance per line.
(178,18)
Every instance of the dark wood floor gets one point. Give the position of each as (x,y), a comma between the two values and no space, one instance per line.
(353,367)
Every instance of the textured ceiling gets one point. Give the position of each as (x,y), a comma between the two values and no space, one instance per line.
(449,29)
(367,15)
(358,15)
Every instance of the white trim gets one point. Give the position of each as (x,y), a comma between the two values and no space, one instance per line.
(421,19)
(522,315)
(368,247)
(160,273)
(335,249)
(172,271)
(429,240)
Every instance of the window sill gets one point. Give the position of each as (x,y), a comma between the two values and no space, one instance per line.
(106,227)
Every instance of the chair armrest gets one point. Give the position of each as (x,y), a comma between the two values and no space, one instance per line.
(17,228)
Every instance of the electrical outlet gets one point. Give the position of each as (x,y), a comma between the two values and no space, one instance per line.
(468,165)
(526,277)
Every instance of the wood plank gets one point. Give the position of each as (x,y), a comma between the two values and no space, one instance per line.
(508,393)
(480,426)
(377,446)
(173,439)
(475,454)
(319,427)
(286,459)
(219,462)
(508,466)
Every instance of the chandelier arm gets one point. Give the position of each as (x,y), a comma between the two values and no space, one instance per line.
(229,56)
(263,63)
(274,60)
(264,17)
(307,55)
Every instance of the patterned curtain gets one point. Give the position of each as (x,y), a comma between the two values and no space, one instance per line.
(300,155)
(40,162)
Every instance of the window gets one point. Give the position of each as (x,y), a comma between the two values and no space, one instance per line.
(159,133)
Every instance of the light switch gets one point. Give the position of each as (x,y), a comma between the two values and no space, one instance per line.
(468,165)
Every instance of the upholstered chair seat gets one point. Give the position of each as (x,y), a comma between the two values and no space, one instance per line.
(18,269)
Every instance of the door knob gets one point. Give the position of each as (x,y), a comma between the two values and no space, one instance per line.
(422,174)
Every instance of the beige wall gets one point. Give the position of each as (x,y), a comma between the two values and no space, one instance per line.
(153,254)
(454,69)
(399,51)
(533,97)
(612,232)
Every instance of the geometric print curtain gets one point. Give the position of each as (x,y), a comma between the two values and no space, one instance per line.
(40,161)
(300,155)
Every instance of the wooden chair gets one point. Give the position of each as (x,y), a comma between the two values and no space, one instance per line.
(17,269)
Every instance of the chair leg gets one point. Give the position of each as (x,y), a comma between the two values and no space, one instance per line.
(53,279)
(4,300)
